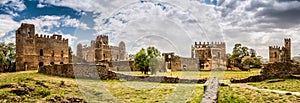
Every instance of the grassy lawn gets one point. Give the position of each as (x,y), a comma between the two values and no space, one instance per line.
(292,85)
(242,95)
(202,74)
(45,88)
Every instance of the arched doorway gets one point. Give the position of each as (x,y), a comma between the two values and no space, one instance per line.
(25,66)
(41,64)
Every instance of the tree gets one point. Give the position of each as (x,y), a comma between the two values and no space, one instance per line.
(7,56)
(145,57)
(243,56)
(153,52)
(141,61)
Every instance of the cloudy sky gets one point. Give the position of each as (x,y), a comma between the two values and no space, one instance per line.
(170,25)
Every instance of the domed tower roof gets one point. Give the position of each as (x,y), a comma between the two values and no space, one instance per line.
(122,44)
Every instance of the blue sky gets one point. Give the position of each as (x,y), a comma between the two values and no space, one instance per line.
(171,25)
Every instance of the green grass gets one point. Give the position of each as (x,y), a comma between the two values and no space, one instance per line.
(95,90)
(292,85)
(242,95)
(126,91)
(202,74)
(32,79)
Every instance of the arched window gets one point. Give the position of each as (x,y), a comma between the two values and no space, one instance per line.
(41,52)
(62,53)
(275,54)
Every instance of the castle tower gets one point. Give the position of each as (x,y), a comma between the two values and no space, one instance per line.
(287,43)
(79,50)
(102,49)
(25,43)
(122,51)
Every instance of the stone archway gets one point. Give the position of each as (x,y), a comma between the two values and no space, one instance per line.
(25,66)
(41,64)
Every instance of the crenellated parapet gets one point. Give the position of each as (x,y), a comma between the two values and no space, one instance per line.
(53,37)
(280,53)
(208,44)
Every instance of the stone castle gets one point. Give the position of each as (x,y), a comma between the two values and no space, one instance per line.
(33,50)
(204,56)
(280,54)
(209,54)
(99,50)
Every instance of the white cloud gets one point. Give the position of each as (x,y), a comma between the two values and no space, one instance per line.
(16,5)
(7,24)
(255,23)
(50,22)
(40,5)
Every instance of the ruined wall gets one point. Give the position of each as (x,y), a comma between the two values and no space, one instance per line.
(272,70)
(189,64)
(103,73)
(122,66)
(33,50)
(176,63)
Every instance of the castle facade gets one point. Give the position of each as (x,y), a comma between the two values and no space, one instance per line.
(280,54)
(33,50)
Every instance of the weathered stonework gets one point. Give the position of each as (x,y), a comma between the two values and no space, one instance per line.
(280,54)
(271,71)
(210,55)
(103,73)
(176,63)
(99,50)
(33,50)
(122,66)
(205,56)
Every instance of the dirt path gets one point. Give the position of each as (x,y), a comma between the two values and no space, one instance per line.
(244,85)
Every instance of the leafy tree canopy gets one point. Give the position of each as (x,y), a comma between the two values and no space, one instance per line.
(143,57)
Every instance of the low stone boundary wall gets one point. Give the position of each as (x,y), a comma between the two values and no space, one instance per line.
(254,78)
(211,91)
(101,72)
(272,71)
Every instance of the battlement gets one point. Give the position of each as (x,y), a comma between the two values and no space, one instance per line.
(275,47)
(280,53)
(208,44)
(287,39)
(54,36)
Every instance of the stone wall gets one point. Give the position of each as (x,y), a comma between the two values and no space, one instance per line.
(122,66)
(211,91)
(102,72)
(270,71)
